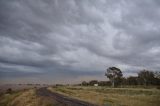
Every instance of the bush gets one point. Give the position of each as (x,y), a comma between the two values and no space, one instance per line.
(158,87)
(9,91)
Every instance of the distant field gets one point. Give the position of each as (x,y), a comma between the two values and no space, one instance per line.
(16,87)
(112,96)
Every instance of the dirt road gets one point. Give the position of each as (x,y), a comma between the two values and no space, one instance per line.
(62,99)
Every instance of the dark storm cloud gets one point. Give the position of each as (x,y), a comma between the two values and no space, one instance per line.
(77,38)
(140,26)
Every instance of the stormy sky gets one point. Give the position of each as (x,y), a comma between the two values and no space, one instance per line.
(66,41)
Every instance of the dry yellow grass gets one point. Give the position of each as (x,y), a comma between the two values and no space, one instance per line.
(84,95)
(113,97)
(7,98)
(26,98)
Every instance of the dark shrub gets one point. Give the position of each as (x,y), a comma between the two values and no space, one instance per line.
(9,91)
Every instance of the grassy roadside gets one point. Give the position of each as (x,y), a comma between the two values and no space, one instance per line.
(25,98)
(112,96)
(5,99)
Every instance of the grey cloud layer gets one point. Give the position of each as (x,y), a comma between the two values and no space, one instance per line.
(78,36)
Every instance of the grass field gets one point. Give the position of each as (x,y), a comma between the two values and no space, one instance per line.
(112,96)
(103,96)
(25,98)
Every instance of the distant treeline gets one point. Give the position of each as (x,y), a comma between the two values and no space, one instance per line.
(144,77)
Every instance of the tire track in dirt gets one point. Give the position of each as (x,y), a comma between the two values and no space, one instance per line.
(66,101)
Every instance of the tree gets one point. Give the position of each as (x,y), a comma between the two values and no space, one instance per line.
(124,81)
(104,83)
(146,77)
(9,91)
(113,74)
(157,78)
(132,80)
(92,82)
(157,74)
(84,83)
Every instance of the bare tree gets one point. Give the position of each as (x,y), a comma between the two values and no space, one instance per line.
(146,77)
